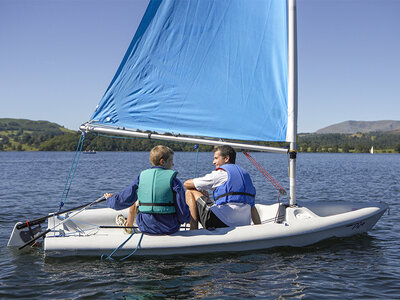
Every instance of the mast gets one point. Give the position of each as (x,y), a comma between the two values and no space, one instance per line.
(292,96)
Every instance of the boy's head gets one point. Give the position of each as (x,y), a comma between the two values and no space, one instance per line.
(162,156)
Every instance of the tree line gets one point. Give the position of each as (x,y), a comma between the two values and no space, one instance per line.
(358,143)
(384,142)
(27,135)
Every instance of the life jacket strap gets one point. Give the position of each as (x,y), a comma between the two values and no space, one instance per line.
(156,204)
(234,193)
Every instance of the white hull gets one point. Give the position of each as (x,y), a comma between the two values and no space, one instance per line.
(298,226)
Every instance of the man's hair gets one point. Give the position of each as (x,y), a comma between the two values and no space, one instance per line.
(159,152)
(227,151)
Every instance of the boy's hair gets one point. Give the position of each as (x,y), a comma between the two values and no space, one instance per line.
(159,152)
(225,151)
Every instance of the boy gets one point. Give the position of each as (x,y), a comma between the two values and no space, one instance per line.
(162,207)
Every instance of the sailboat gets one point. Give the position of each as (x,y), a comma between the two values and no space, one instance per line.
(371,150)
(191,69)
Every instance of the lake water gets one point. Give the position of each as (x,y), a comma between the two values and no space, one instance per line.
(361,267)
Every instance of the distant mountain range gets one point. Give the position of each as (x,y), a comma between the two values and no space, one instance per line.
(351,127)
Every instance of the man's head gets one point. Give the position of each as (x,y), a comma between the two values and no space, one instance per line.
(224,155)
(162,156)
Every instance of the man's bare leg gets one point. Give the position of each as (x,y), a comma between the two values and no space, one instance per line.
(191,196)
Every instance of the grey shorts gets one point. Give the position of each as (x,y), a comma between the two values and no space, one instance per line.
(206,217)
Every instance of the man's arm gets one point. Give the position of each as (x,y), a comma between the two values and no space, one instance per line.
(189,184)
(208,182)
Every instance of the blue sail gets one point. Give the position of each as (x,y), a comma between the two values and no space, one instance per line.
(212,68)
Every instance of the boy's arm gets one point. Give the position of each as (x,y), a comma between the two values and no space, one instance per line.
(125,198)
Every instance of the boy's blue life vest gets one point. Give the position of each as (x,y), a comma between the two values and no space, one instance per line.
(238,188)
(155,193)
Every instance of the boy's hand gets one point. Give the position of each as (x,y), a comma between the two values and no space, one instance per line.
(108,195)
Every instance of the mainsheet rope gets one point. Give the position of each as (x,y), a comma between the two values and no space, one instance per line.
(109,257)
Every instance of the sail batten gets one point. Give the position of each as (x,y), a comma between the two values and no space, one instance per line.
(204,68)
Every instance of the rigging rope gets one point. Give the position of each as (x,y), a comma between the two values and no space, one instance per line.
(71,174)
(279,188)
(196,147)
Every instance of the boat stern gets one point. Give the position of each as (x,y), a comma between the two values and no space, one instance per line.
(19,237)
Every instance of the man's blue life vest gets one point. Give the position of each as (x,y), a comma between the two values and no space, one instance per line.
(154,193)
(238,188)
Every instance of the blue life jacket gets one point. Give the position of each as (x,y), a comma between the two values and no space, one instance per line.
(154,191)
(238,188)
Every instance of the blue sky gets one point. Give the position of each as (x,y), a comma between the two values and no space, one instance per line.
(57,58)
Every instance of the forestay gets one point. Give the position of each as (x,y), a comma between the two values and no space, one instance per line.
(207,68)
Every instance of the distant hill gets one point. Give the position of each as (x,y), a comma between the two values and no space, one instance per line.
(27,135)
(351,127)
(23,134)
(44,127)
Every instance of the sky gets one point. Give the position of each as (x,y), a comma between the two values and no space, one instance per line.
(57,58)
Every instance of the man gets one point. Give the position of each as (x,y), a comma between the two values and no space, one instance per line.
(233,191)
(162,207)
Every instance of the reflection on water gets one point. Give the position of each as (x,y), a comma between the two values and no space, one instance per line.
(311,271)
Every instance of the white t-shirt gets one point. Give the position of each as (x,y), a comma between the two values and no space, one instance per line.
(232,214)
